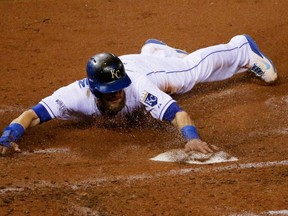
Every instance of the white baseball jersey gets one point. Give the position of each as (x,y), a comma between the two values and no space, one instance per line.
(156,73)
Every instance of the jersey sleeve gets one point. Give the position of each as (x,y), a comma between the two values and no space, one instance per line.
(67,103)
(156,102)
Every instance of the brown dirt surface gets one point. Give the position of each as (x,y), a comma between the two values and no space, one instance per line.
(100,170)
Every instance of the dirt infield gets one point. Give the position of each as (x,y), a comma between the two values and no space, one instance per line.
(81,169)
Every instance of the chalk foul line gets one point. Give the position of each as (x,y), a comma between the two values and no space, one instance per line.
(47,151)
(274,212)
(140,177)
(132,178)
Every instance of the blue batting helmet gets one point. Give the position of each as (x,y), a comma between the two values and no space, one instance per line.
(106,74)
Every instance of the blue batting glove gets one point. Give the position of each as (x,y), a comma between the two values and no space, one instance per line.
(5,140)
(11,134)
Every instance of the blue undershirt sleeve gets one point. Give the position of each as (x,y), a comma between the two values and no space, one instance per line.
(170,113)
(42,113)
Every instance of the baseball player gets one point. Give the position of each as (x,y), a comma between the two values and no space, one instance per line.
(118,86)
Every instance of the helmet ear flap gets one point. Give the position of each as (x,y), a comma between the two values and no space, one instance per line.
(96,93)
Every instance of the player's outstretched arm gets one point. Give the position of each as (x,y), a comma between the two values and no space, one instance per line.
(16,129)
(184,123)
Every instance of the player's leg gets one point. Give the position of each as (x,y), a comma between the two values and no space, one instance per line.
(223,61)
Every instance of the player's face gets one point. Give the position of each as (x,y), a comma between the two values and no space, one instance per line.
(112,103)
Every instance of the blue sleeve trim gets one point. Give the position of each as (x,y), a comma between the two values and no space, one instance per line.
(42,113)
(171,111)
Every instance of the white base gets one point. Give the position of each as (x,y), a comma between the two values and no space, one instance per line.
(178,155)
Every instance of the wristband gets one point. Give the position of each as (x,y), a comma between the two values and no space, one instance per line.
(189,132)
(11,134)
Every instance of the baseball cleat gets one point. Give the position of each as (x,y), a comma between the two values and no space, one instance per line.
(263,66)
(155,41)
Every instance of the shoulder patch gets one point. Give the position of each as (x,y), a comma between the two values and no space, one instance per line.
(149,99)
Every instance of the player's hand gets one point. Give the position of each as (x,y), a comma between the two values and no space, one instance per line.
(199,146)
(13,146)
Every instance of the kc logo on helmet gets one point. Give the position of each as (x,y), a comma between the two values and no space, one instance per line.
(116,74)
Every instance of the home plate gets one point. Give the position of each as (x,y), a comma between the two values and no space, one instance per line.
(179,155)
